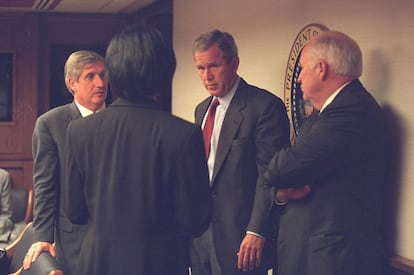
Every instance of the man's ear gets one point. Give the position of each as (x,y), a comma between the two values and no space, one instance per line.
(235,63)
(323,69)
(72,85)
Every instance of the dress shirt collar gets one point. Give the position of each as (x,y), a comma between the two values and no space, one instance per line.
(332,97)
(85,111)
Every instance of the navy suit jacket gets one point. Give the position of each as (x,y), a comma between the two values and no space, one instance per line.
(341,153)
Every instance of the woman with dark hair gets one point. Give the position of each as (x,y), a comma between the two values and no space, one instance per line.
(137,174)
(128,57)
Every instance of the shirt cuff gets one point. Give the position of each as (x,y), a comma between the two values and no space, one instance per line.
(280,203)
(255,234)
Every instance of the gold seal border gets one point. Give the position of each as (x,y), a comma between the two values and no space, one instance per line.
(301,39)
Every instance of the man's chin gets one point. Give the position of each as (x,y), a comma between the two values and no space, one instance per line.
(99,97)
(213,92)
(99,102)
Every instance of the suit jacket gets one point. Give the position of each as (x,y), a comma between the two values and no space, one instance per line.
(254,127)
(141,182)
(6,223)
(341,152)
(49,221)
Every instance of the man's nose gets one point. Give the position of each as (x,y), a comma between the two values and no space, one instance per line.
(100,81)
(207,74)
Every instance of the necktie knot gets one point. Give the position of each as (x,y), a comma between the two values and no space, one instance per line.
(214,104)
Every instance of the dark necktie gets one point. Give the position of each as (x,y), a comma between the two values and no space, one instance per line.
(208,125)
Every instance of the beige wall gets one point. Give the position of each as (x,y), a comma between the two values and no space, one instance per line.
(265,30)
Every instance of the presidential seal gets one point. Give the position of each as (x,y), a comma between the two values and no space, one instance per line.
(297,108)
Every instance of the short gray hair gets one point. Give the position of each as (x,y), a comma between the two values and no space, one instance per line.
(340,51)
(75,63)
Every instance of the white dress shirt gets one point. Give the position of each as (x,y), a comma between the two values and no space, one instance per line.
(332,97)
(85,111)
(221,109)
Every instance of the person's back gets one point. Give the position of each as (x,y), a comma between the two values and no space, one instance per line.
(142,171)
(137,187)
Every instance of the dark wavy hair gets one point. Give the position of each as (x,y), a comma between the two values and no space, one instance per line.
(140,63)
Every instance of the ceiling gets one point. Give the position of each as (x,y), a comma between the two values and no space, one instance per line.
(75,6)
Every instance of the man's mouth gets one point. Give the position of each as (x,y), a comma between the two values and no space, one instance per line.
(99,93)
(211,86)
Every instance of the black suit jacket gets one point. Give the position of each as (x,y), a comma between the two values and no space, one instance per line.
(48,144)
(341,152)
(138,177)
(254,127)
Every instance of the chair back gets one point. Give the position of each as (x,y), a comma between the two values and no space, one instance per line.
(26,240)
(21,202)
(18,202)
(45,263)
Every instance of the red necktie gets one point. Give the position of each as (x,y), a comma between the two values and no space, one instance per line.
(208,125)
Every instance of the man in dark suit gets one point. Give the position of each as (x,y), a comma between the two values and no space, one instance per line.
(85,78)
(250,125)
(137,174)
(332,178)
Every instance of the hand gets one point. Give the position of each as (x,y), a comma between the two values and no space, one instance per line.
(250,252)
(35,250)
(284,195)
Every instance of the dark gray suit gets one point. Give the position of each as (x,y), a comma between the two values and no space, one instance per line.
(138,176)
(50,222)
(341,153)
(254,127)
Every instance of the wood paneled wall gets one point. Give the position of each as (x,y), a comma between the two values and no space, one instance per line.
(20,35)
(30,37)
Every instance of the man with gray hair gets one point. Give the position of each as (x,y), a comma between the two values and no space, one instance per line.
(86,80)
(331,180)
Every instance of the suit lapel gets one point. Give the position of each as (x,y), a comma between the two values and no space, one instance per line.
(73,113)
(230,127)
(201,110)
